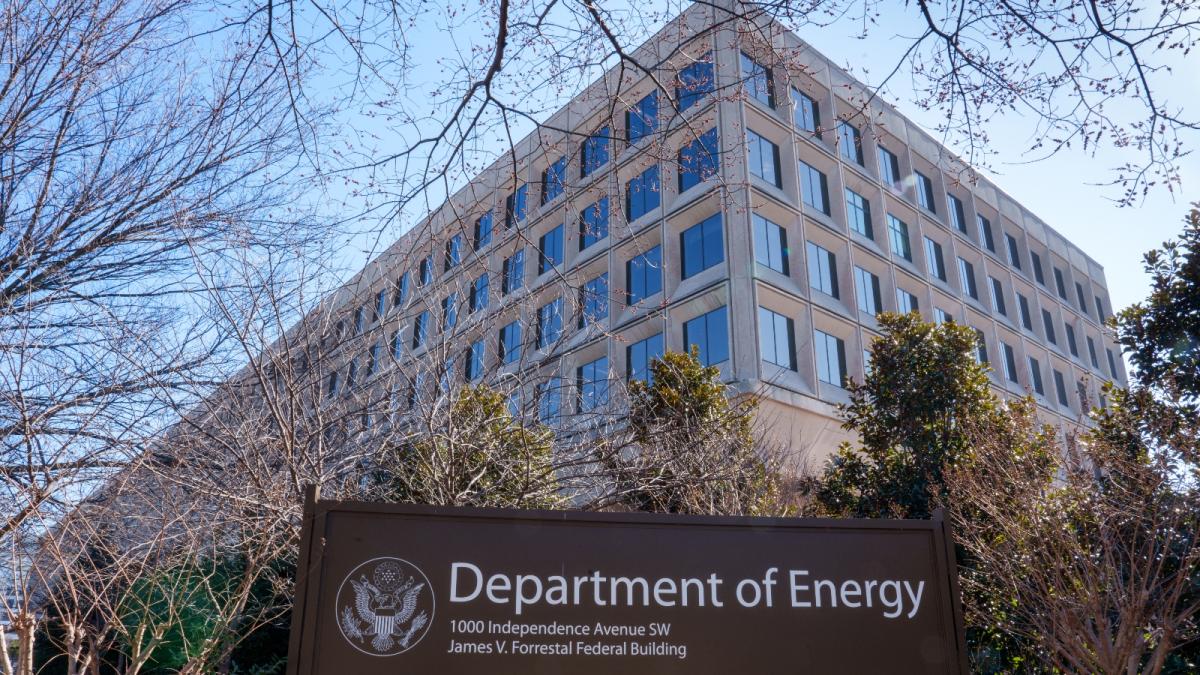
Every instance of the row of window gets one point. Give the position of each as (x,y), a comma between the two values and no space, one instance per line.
(764,163)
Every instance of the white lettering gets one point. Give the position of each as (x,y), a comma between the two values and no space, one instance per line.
(454,596)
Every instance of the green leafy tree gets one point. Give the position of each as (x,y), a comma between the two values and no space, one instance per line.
(1162,334)
(169,615)
(913,411)
(692,448)
(475,454)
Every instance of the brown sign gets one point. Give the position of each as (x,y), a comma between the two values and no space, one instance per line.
(408,589)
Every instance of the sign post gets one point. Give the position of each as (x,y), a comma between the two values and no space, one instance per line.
(386,588)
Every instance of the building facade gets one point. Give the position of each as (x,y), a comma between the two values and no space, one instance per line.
(751,200)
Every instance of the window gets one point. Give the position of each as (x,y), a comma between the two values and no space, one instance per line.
(849,142)
(332,387)
(933,259)
(709,333)
(642,119)
(898,233)
(814,188)
(958,215)
(1081,297)
(373,359)
(702,246)
(414,391)
(1058,282)
(397,345)
(549,323)
(360,319)
(593,300)
(449,311)
(639,355)
(1035,374)
(822,270)
(906,302)
(550,250)
(941,316)
(453,253)
(985,233)
(1112,363)
(1010,363)
(998,297)
(512,273)
(483,231)
(889,166)
(593,223)
(925,192)
(1092,352)
(777,338)
(698,160)
(694,82)
(380,305)
(1037,267)
(981,354)
(1014,255)
(479,294)
(1081,392)
(757,81)
(770,244)
(806,113)
(966,275)
(425,274)
(474,359)
(1048,323)
(420,329)
(642,194)
(549,400)
(351,375)
(594,153)
(1100,310)
(402,286)
(592,381)
(1026,317)
(866,288)
(1061,388)
(858,212)
(764,158)
(510,342)
(514,206)
(831,359)
(554,179)
(1074,349)
(643,274)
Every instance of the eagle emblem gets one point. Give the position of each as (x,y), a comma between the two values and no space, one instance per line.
(384,606)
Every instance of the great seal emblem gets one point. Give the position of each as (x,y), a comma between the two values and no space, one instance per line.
(384,606)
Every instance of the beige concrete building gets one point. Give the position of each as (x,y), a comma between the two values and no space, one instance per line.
(746,200)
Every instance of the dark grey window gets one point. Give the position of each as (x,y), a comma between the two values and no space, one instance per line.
(777,338)
(822,270)
(866,288)
(770,244)
(709,333)
(858,213)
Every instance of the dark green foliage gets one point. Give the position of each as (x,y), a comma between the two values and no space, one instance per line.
(1162,334)
(479,454)
(694,449)
(914,412)
(180,605)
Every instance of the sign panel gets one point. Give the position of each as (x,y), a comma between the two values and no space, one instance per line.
(391,589)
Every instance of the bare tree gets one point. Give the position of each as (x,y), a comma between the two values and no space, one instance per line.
(130,156)
(1090,551)
(1087,74)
